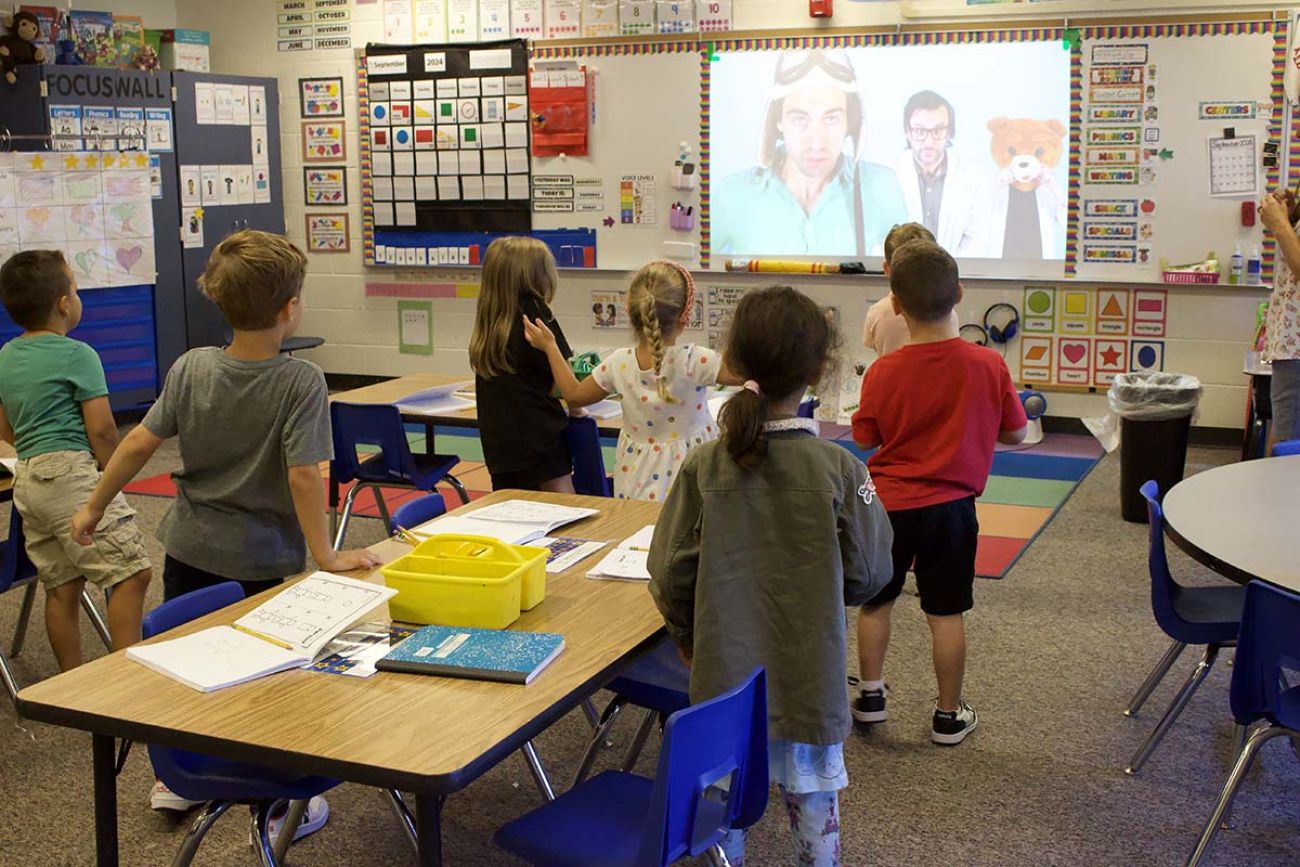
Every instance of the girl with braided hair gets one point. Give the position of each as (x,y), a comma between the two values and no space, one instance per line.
(663,384)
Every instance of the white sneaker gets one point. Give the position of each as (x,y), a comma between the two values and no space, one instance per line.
(163,798)
(313,819)
(950,727)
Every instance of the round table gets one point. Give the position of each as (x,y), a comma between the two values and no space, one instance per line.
(1241,520)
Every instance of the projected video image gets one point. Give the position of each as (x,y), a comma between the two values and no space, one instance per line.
(818,152)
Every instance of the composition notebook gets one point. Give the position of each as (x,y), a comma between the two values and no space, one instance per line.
(505,655)
(287,631)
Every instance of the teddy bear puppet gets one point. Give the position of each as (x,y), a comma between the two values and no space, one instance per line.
(18,46)
(1028,208)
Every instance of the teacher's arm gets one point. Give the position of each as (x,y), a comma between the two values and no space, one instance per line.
(1273,214)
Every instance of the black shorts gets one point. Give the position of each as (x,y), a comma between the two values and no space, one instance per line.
(552,464)
(180,578)
(939,543)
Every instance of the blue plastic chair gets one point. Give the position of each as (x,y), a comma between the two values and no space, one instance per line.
(807,406)
(222,783)
(16,570)
(589,476)
(618,819)
(415,512)
(1268,644)
(658,681)
(1209,616)
(1286,448)
(395,466)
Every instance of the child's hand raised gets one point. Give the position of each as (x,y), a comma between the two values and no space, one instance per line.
(538,335)
(346,561)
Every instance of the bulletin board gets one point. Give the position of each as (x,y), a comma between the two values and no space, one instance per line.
(650,107)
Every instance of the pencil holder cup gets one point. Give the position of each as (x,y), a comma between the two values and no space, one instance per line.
(681,221)
(684,177)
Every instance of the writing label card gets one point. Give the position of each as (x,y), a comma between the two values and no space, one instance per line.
(1112,311)
(526,19)
(1039,310)
(1076,311)
(1074,360)
(1036,359)
(1110,357)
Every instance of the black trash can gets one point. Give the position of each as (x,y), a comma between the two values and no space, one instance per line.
(1155,411)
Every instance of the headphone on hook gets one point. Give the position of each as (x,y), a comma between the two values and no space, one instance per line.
(1005,332)
(980,336)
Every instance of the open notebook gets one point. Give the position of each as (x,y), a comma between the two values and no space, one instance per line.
(515,522)
(287,631)
(627,562)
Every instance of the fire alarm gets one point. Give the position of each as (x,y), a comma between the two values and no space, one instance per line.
(819,8)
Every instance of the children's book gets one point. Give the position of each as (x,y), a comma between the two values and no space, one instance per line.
(515,522)
(627,562)
(92,33)
(128,39)
(287,631)
(503,655)
(566,552)
(48,18)
(354,652)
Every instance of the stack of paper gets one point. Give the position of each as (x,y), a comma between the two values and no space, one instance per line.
(287,631)
(605,409)
(627,562)
(515,522)
(439,400)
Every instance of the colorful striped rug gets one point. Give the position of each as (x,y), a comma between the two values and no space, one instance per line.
(1027,486)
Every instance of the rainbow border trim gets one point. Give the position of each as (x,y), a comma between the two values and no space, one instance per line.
(1074,184)
(706,233)
(367,183)
(1277,95)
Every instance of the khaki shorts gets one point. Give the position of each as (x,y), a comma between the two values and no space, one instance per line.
(48,491)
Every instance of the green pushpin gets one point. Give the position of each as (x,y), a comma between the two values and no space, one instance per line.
(1070,38)
(713,52)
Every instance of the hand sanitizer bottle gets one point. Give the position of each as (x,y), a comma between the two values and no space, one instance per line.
(1237,268)
(1254,267)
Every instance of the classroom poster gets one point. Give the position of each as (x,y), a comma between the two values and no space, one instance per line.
(609,309)
(415,327)
(326,186)
(327,233)
(321,97)
(324,141)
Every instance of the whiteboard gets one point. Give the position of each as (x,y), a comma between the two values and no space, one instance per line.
(646,105)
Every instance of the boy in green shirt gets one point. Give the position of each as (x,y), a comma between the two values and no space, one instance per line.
(54,410)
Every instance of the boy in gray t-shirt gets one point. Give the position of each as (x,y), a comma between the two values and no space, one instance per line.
(253,427)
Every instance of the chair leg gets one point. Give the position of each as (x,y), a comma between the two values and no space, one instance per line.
(597,739)
(1239,733)
(1157,674)
(292,819)
(207,816)
(348,502)
(539,773)
(261,833)
(383,509)
(96,620)
(404,818)
(638,742)
(717,857)
(1238,773)
(590,712)
(1194,681)
(460,488)
(24,617)
(7,676)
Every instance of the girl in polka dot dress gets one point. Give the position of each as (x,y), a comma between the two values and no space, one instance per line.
(663,385)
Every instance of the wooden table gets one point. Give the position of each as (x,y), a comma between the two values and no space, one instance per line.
(428,735)
(1240,520)
(7,482)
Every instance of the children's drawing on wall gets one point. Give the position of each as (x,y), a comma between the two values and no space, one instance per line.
(608,310)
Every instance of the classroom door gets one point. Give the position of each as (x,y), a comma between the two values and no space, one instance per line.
(228,143)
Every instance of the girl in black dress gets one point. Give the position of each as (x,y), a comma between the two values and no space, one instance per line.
(521,421)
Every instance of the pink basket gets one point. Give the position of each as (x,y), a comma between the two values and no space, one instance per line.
(1191,276)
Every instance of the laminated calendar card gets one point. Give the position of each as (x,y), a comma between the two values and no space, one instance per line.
(675,16)
(600,18)
(636,17)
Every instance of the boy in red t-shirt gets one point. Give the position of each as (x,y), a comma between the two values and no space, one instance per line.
(935,407)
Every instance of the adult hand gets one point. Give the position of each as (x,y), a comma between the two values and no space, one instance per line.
(538,335)
(346,561)
(1273,213)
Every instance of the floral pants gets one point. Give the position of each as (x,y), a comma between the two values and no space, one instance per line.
(814,823)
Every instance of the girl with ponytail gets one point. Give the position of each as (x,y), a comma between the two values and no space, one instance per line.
(662,384)
(795,533)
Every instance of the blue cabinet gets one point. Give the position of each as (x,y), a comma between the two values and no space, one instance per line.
(119,324)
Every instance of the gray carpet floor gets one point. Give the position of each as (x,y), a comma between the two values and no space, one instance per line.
(1056,648)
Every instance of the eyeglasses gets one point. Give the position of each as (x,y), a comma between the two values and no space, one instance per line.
(934,133)
(794,65)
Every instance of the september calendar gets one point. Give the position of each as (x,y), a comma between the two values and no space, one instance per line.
(1233,166)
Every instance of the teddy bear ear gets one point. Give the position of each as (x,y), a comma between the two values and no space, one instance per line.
(998,123)
(1055,126)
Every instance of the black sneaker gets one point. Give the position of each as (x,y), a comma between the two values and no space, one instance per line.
(951,726)
(869,706)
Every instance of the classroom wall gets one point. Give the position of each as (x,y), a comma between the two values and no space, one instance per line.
(1209,328)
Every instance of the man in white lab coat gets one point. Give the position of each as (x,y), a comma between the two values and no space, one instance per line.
(943,192)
